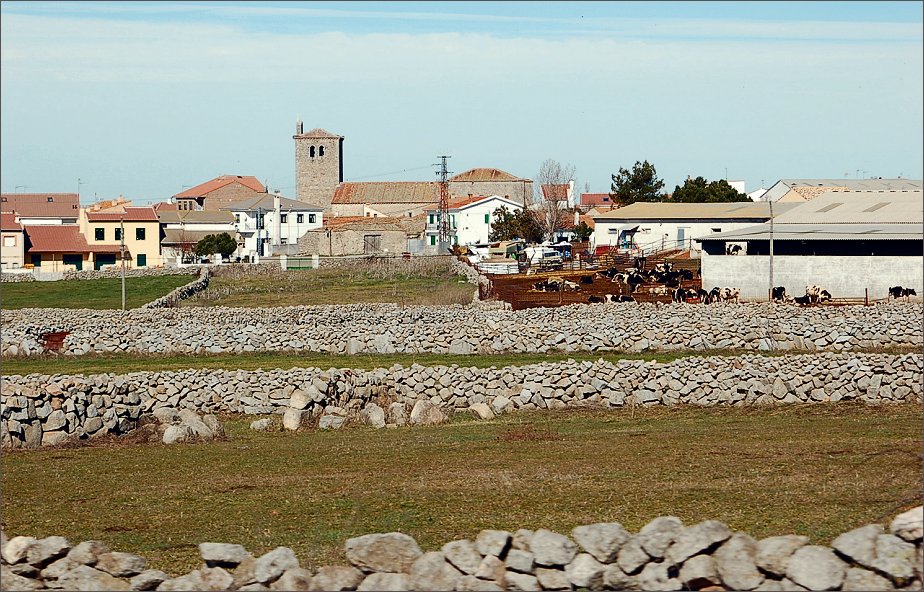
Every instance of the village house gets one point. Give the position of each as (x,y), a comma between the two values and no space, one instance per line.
(181,230)
(470,219)
(268,224)
(366,236)
(103,232)
(12,241)
(219,192)
(42,208)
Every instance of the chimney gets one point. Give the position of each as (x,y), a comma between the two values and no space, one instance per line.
(571,200)
(577,217)
(277,218)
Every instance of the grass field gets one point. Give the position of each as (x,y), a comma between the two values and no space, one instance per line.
(96,294)
(123,363)
(813,470)
(419,282)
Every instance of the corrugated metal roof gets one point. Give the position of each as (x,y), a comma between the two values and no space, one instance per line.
(265,202)
(42,205)
(204,189)
(138,214)
(806,187)
(484,174)
(692,211)
(858,207)
(424,192)
(821,232)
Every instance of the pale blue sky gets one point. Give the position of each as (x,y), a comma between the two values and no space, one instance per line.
(142,99)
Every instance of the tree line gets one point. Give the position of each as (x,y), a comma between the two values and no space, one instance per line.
(642,184)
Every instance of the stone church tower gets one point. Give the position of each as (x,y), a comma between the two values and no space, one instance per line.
(318,165)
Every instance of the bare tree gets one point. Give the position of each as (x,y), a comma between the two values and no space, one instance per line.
(552,194)
(186,247)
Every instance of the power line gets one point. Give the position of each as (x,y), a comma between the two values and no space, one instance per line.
(390,173)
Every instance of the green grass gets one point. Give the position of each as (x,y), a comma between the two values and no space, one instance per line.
(417,285)
(813,470)
(123,363)
(96,294)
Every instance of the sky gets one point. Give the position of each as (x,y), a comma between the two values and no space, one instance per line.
(147,99)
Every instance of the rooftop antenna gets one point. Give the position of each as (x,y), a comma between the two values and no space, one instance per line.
(443,211)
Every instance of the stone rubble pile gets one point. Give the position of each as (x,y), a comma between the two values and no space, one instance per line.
(390,328)
(663,555)
(42,409)
(12,278)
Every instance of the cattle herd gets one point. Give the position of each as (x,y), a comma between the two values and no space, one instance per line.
(670,281)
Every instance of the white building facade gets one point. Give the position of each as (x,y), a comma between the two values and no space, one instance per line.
(270,223)
(649,227)
(470,219)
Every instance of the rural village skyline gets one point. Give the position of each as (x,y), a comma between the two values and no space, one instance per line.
(144,99)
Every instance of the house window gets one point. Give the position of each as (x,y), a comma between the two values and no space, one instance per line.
(487,218)
(311,152)
(37,260)
(430,219)
(50,199)
(432,239)
(320,150)
(9,241)
(118,234)
(142,260)
(606,199)
(100,233)
(299,218)
(260,217)
(237,218)
(452,220)
(312,218)
(139,234)
(283,218)
(716,230)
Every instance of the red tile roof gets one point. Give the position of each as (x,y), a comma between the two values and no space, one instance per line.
(461,202)
(484,174)
(8,222)
(596,199)
(222,181)
(137,214)
(42,205)
(56,238)
(556,192)
(163,206)
(381,192)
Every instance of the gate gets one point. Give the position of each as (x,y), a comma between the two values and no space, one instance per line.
(372,244)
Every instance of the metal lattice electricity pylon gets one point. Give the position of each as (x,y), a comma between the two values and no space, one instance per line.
(443,211)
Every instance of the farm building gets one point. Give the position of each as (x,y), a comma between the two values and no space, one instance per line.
(652,226)
(801,190)
(364,236)
(847,242)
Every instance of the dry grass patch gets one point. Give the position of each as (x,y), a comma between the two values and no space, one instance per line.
(419,281)
(815,470)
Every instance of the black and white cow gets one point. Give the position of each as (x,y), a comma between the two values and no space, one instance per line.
(778,294)
(899,292)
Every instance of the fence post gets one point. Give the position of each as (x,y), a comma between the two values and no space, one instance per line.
(866,298)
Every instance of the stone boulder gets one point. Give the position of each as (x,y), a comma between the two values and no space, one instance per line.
(392,552)
(426,413)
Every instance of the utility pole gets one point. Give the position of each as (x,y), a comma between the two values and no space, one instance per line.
(122,256)
(443,211)
(771,248)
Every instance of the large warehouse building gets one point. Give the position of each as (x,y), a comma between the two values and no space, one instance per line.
(852,243)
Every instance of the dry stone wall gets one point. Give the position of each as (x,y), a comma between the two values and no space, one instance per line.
(183,292)
(666,554)
(388,328)
(40,409)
